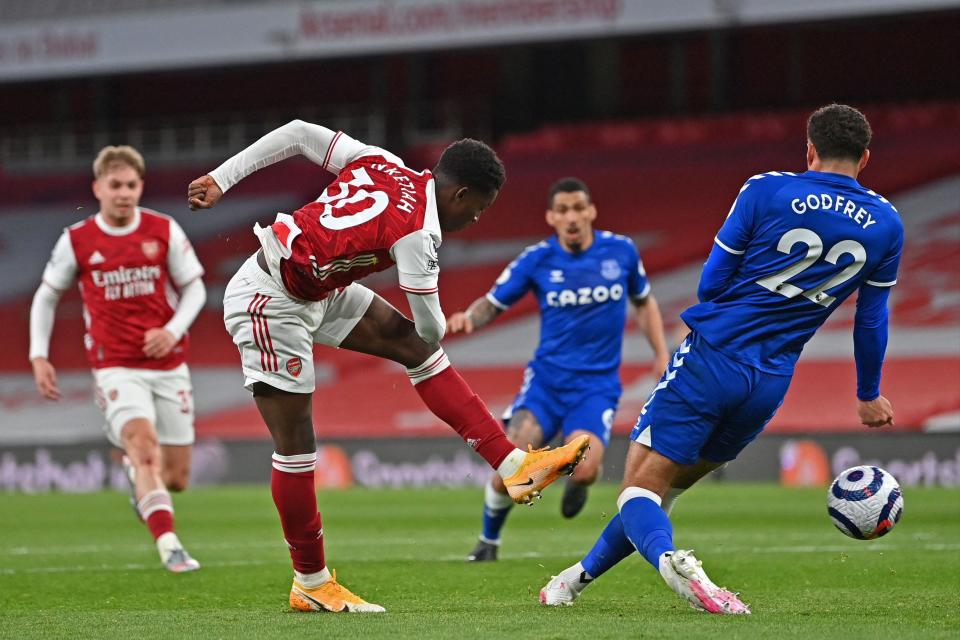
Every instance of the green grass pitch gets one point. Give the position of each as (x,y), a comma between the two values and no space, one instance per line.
(82,567)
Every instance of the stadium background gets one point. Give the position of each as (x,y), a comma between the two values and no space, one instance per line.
(663,108)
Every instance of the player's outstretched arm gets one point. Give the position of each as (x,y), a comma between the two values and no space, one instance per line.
(158,342)
(203,193)
(479,314)
(42,312)
(869,345)
(718,271)
(330,149)
(651,324)
(875,413)
(45,377)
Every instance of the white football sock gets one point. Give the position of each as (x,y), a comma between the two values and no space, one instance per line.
(313,580)
(512,463)
(494,500)
(167,543)
(576,577)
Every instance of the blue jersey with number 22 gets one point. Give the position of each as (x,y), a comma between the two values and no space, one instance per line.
(807,242)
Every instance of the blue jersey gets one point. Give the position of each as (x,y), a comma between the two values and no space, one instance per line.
(807,242)
(582,296)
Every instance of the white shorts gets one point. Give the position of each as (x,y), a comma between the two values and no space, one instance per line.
(165,398)
(276,333)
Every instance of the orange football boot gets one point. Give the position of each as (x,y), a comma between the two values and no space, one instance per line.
(330,596)
(542,466)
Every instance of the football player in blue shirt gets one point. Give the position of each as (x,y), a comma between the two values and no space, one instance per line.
(582,279)
(792,249)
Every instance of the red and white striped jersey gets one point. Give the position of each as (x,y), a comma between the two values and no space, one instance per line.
(375,214)
(125,276)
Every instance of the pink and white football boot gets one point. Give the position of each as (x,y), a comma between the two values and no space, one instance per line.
(684,574)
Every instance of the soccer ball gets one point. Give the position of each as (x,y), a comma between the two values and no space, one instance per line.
(865,502)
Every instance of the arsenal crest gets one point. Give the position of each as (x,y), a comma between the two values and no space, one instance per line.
(151,248)
(294,367)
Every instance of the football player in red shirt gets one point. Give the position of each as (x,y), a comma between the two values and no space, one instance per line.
(127,261)
(300,288)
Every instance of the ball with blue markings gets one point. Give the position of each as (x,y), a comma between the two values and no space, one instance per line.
(865,502)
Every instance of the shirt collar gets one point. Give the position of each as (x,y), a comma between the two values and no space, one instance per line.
(119,231)
(832,177)
(555,241)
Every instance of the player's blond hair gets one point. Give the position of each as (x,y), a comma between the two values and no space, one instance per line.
(111,156)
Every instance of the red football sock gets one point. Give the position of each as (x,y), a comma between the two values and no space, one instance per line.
(159,523)
(450,399)
(291,483)
(156,509)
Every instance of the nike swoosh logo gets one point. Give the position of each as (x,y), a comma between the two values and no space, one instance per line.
(524,484)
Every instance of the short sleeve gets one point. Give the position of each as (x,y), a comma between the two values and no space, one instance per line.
(514,281)
(61,269)
(182,262)
(638,286)
(737,229)
(885,275)
(417,263)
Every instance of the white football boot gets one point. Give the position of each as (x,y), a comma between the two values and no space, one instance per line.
(173,556)
(179,561)
(563,589)
(684,574)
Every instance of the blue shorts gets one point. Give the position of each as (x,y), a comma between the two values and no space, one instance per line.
(707,405)
(567,401)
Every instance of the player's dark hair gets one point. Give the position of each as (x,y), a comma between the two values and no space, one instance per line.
(567,185)
(839,132)
(472,164)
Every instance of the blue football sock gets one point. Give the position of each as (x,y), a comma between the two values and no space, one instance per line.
(496,508)
(611,547)
(493,520)
(646,524)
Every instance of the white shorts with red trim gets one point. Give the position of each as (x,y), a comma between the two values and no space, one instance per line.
(165,398)
(276,333)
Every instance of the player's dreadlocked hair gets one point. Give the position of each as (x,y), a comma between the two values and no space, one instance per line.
(567,185)
(839,132)
(473,164)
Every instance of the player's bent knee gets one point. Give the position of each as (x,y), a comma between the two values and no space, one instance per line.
(140,443)
(177,482)
(410,349)
(691,474)
(524,430)
(586,472)
(649,469)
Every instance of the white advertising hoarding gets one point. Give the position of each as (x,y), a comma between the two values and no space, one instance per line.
(223,35)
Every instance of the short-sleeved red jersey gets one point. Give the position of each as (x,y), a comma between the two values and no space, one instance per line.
(349,231)
(125,283)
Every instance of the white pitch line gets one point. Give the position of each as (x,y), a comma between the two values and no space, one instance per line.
(528,555)
(210,546)
(129,566)
(131,548)
(864,545)
(837,548)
